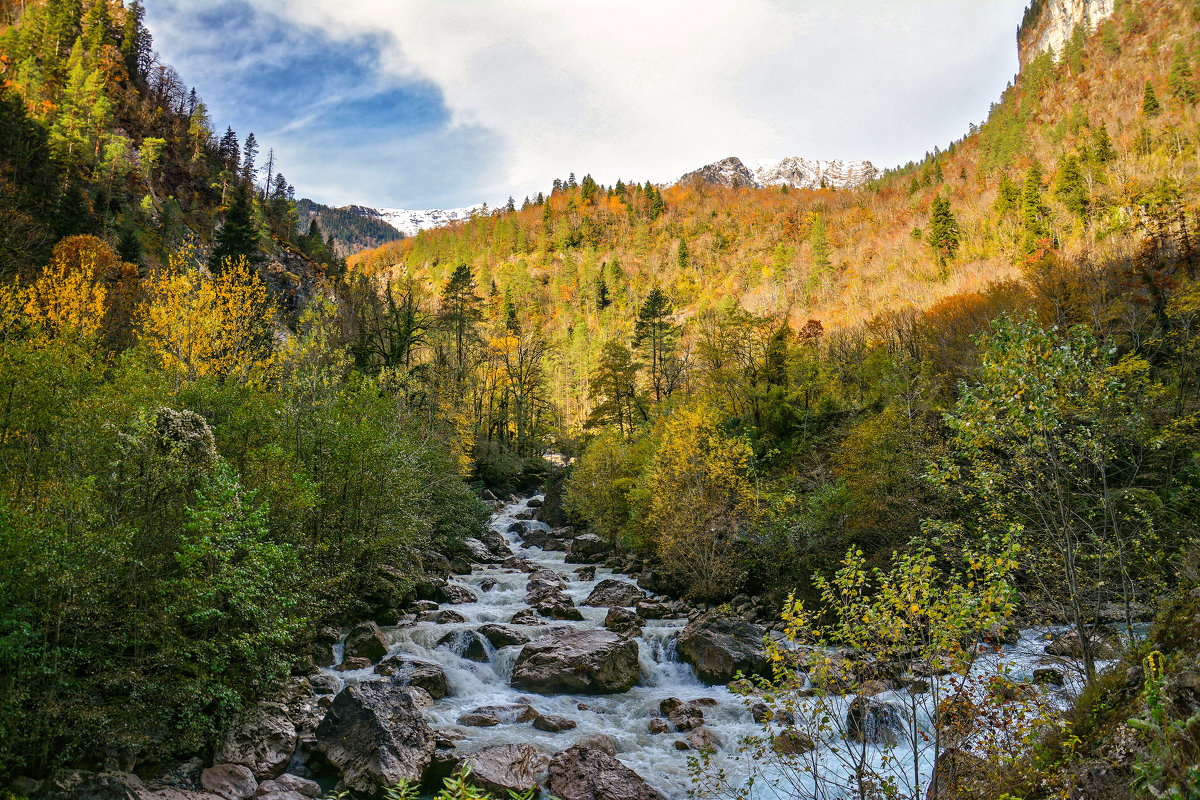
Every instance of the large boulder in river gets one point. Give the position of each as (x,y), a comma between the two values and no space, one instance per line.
(611,592)
(408,671)
(375,736)
(873,721)
(366,641)
(719,647)
(502,635)
(231,781)
(468,644)
(586,549)
(506,767)
(454,593)
(577,662)
(588,773)
(623,621)
(263,740)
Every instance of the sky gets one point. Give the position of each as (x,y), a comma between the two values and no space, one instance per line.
(446,103)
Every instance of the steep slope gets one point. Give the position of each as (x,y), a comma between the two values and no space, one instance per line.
(353,228)
(1049,24)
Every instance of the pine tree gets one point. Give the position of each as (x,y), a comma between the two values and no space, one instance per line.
(237,237)
(1180,80)
(943,234)
(230,150)
(512,205)
(655,335)
(1069,187)
(657,207)
(249,152)
(1102,148)
(571,181)
(1033,207)
(135,42)
(1150,106)
(460,310)
(818,240)
(682,260)
(603,301)
(1008,196)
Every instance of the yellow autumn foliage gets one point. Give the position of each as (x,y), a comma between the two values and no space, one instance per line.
(67,300)
(701,498)
(203,325)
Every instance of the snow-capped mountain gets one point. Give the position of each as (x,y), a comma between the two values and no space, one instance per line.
(799,173)
(410,223)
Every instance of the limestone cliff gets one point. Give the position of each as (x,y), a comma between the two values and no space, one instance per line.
(1048,24)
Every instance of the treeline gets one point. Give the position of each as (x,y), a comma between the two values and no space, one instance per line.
(350,231)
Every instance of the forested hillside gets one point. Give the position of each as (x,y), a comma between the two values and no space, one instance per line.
(351,232)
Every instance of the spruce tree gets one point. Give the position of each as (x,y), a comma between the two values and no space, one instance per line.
(655,335)
(602,299)
(1069,187)
(249,152)
(1102,148)
(460,309)
(1008,196)
(1180,80)
(943,229)
(237,237)
(1150,105)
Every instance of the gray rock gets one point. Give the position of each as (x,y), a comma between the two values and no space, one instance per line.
(553,723)
(589,773)
(408,671)
(468,644)
(502,635)
(612,592)
(231,781)
(719,647)
(366,641)
(586,573)
(526,616)
(623,621)
(791,742)
(585,549)
(324,683)
(263,740)
(448,617)
(375,736)
(454,593)
(291,783)
(577,662)
(682,716)
(76,784)
(873,721)
(505,768)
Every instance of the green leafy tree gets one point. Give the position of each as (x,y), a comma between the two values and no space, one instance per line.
(1038,446)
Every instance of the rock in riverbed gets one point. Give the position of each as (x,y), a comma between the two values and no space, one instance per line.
(572,661)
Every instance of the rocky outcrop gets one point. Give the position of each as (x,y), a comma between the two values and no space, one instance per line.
(577,662)
(231,781)
(719,647)
(505,768)
(1048,24)
(263,741)
(582,772)
(612,592)
(375,736)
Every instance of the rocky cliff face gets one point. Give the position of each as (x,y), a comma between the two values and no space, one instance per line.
(799,173)
(1049,24)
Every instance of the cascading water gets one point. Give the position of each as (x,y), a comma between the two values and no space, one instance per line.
(622,717)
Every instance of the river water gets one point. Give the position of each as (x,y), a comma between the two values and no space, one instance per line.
(622,717)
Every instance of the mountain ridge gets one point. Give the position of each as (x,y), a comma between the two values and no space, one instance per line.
(792,171)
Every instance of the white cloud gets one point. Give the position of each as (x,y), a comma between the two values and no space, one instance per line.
(653,88)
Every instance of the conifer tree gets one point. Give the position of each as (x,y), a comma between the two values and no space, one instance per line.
(249,152)
(818,240)
(603,301)
(1150,106)
(655,335)
(237,237)
(1069,187)
(511,206)
(1033,207)
(1008,196)
(230,150)
(1180,80)
(943,229)
(682,259)
(1102,148)
(460,310)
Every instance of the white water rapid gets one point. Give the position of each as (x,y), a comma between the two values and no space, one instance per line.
(622,717)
